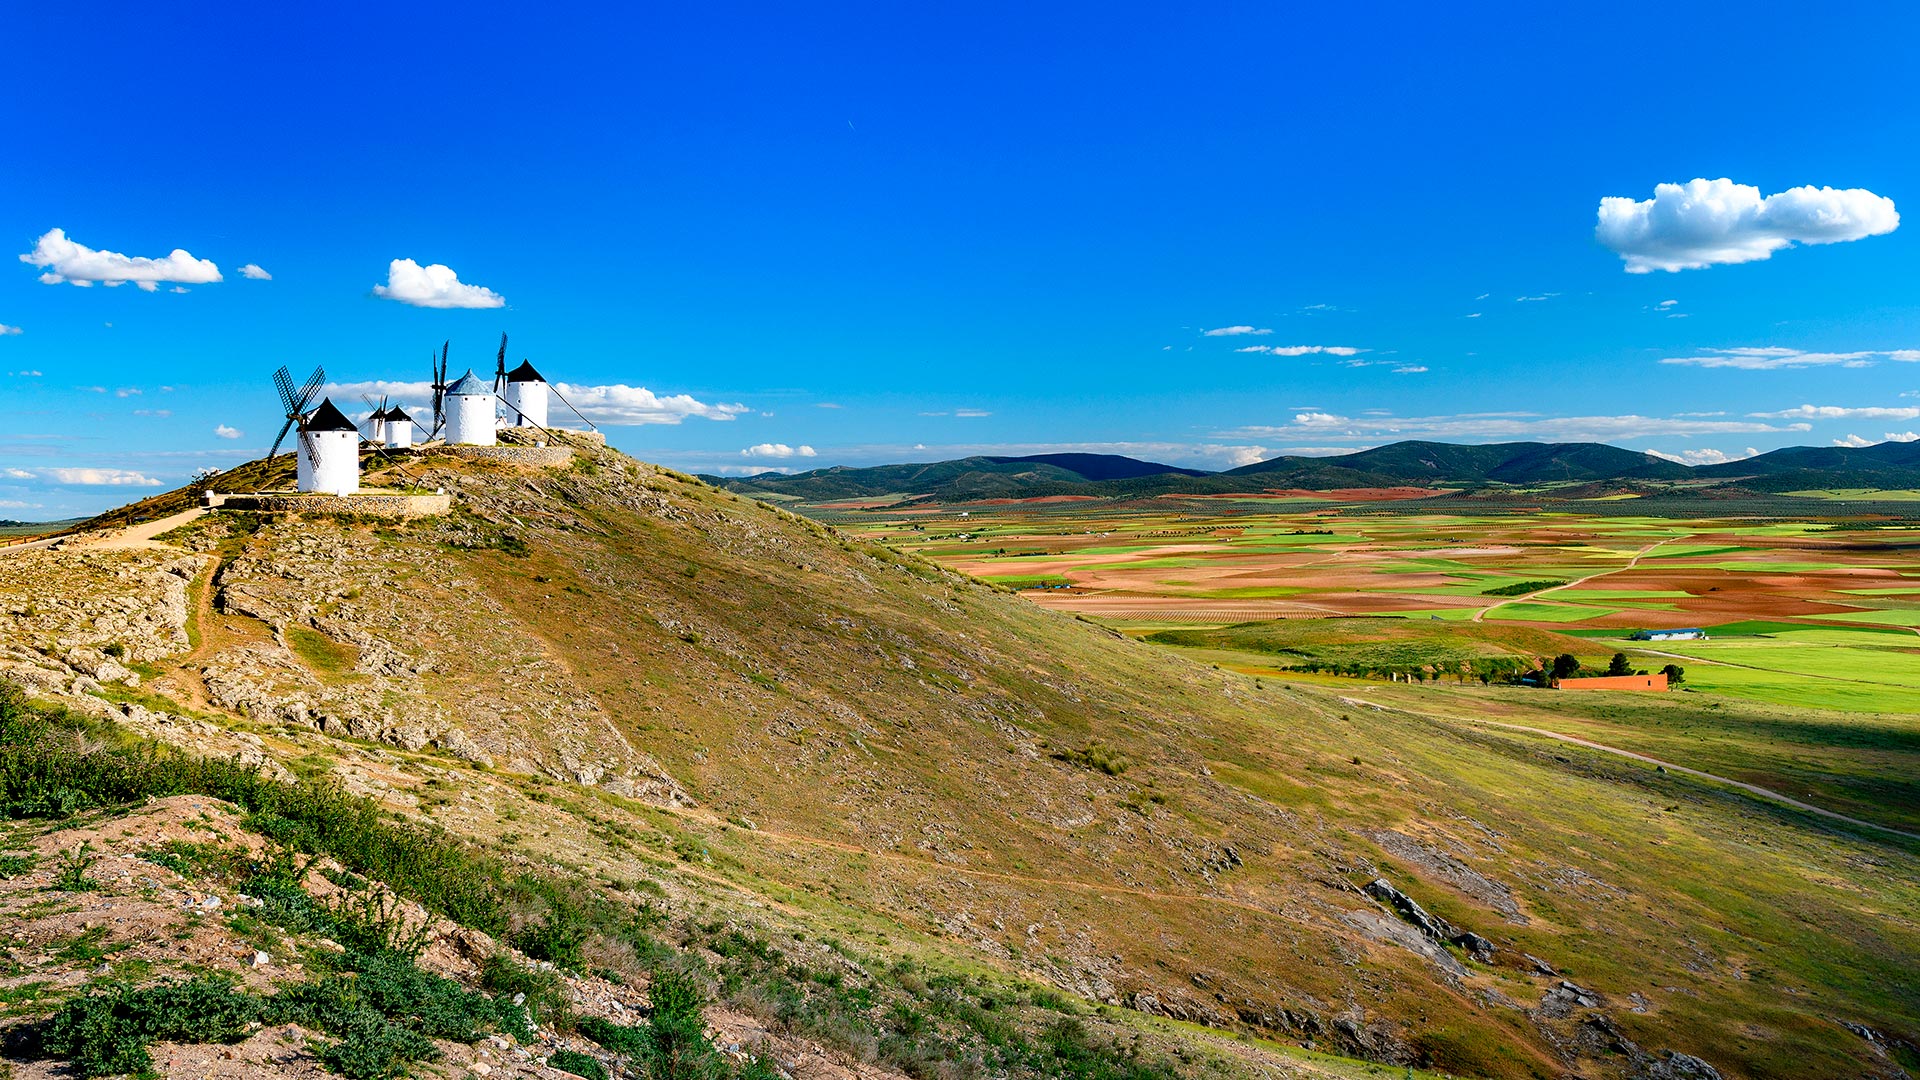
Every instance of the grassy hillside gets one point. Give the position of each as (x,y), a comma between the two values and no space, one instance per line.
(618,669)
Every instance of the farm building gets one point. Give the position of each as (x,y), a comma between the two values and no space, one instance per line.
(1686,633)
(1616,682)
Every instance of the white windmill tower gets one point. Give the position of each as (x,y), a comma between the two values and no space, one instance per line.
(399,429)
(327,448)
(470,407)
(526,397)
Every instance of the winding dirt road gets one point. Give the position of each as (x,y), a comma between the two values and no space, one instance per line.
(1631,563)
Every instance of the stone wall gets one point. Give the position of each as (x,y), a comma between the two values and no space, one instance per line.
(369,504)
(538,456)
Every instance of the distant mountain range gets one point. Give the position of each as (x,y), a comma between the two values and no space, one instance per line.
(1402,464)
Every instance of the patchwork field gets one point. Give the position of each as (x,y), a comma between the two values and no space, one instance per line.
(1817,613)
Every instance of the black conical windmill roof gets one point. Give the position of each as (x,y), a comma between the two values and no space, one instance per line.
(525,373)
(327,418)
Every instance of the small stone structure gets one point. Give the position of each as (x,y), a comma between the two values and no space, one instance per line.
(370,504)
(1616,682)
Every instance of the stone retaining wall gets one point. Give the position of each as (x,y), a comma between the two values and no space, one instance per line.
(539,456)
(369,504)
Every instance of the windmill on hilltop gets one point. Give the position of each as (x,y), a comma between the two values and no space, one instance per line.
(327,446)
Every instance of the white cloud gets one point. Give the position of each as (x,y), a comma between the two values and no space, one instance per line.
(1233,331)
(80,265)
(253,271)
(1903,436)
(16,474)
(1705,456)
(16,504)
(435,286)
(1483,296)
(620,404)
(1854,441)
(1840,412)
(1774,358)
(827,405)
(226,432)
(1534,299)
(1504,425)
(1474,315)
(8,331)
(1665,304)
(777,450)
(96,477)
(971,413)
(128,391)
(1707,222)
(1409,369)
(1301,350)
(153,412)
(30,374)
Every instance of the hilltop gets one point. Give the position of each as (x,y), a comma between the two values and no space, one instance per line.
(744,723)
(1583,468)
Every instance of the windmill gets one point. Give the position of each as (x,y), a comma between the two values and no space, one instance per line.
(439,389)
(296,400)
(376,418)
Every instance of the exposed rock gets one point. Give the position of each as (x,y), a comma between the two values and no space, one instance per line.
(1431,925)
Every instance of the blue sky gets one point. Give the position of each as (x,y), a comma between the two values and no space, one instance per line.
(884,233)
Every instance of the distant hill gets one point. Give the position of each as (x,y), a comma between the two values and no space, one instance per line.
(1419,464)
(1801,468)
(980,477)
(1416,462)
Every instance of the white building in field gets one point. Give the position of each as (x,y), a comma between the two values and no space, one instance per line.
(399,429)
(1686,633)
(526,397)
(470,407)
(327,456)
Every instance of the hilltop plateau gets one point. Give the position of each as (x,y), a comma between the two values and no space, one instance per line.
(968,821)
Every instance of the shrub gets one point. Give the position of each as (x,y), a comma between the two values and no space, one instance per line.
(107,1033)
(578,1064)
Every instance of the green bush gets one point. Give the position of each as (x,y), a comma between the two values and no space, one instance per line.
(578,1064)
(107,1033)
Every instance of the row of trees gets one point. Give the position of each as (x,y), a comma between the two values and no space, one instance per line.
(1512,671)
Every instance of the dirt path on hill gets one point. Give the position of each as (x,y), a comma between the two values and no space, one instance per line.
(1631,563)
(1751,789)
(133,536)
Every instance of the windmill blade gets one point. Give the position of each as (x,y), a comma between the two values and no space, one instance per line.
(282,437)
(500,361)
(314,382)
(371,404)
(283,381)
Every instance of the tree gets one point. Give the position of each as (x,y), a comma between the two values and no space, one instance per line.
(1618,665)
(1675,674)
(1565,665)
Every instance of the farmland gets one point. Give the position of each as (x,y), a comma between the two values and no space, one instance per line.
(1808,612)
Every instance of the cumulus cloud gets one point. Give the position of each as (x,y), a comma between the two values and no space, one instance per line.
(971,413)
(1842,412)
(228,432)
(91,477)
(253,271)
(1705,456)
(7,331)
(128,391)
(777,450)
(1854,441)
(1323,426)
(1301,350)
(1774,358)
(435,286)
(620,404)
(1234,331)
(1706,222)
(1903,436)
(65,261)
